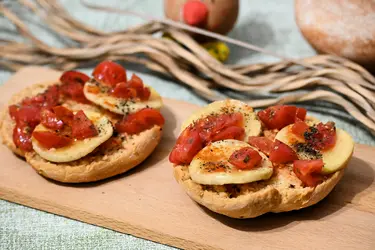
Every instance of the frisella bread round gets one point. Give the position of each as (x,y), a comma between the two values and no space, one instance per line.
(67,138)
(224,161)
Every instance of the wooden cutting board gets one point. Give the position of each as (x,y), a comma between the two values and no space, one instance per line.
(148,203)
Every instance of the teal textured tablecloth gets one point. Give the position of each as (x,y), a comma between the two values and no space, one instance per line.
(267,23)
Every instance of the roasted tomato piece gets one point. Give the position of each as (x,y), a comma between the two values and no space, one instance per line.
(74,91)
(212,126)
(64,114)
(123,91)
(50,120)
(282,153)
(210,129)
(279,116)
(188,144)
(145,95)
(308,171)
(29,115)
(49,139)
(73,77)
(49,98)
(132,89)
(36,101)
(72,85)
(13,111)
(262,143)
(140,121)
(320,137)
(233,132)
(136,83)
(299,128)
(245,158)
(22,138)
(325,138)
(301,114)
(82,127)
(109,73)
(52,96)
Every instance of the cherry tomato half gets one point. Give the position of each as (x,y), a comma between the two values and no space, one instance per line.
(308,171)
(245,158)
(82,127)
(140,121)
(262,143)
(49,139)
(279,116)
(282,153)
(188,144)
(109,73)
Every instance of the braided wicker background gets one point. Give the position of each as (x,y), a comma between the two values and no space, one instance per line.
(323,77)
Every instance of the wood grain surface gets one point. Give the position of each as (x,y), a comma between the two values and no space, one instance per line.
(147,202)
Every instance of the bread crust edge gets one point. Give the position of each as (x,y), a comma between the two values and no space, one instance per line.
(253,204)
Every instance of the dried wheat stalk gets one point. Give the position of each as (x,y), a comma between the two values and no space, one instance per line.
(325,77)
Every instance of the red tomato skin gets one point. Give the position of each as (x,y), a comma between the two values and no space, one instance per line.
(233,132)
(22,138)
(123,91)
(36,101)
(73,77)
(131,89)
(282,153)
(82,127)
(140,121)
(189,143)
(301,114)
(321,136)
(262,143)
(50,140)
(47,99)
(13,110)
(52,96)
(50,120)
(64,114)
(29,115)
(308,171)
(245,158)
(72,85)
(326,136)
(136,83)
(213,125)
(204,131)
(299,128)
(279,116)
(146,93)
(74,91)
(109,73)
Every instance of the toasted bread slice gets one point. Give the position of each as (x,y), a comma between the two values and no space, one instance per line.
(100,164)
(7,124)
(283,192)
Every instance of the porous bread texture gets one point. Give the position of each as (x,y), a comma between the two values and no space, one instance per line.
(95,166)
(100,164)
(282,192)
